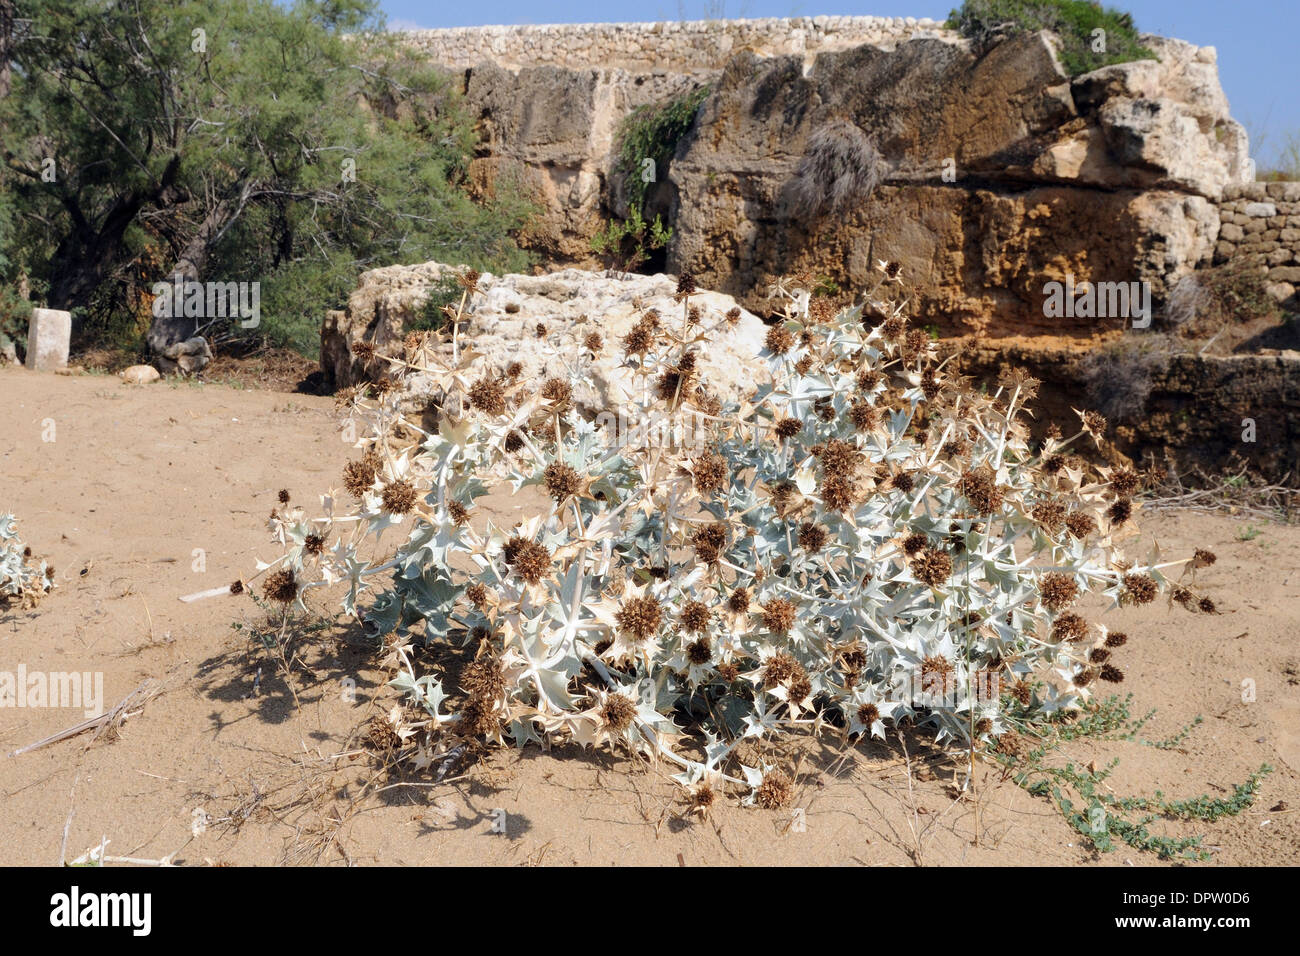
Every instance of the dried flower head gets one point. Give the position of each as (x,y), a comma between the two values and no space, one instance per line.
(530,560)
(557,391)
(1058,591)
(488,396)
(695,617)
(562,481)
(399,497)
(863,416)
(1050,514)
(980,488)
(775,791)
(779,615)
(281,586)
(1069,627)
(933,567)
(359,476)
(640,616)
(711,473)
(1139,589)
(699,652)
(812,536)
(709,541)
(779,340)
(477,594)
(1080,525)
(787,428)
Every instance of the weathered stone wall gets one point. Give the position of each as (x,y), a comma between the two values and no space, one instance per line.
(678,46)
(1260,225)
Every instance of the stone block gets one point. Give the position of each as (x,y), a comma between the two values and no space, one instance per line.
(48,334)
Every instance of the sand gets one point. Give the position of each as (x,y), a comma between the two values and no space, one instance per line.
(139,483)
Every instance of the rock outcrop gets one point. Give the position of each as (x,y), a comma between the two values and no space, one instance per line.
(1006,175)
(1201,411)
(542,322)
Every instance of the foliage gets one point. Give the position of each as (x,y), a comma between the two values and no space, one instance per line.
(278,147)
(626,244)
(649,132)
(1089,804)
(23,580)
(653,132)
(433,316)
(864,539)
(1073,21)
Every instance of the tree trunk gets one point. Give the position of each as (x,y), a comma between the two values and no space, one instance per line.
(6,43)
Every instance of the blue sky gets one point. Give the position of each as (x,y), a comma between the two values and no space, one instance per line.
(1256,39)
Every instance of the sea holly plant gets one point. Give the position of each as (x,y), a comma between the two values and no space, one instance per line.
(24,580)
(865,541)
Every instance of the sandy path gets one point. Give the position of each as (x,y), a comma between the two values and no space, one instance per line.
(136,479)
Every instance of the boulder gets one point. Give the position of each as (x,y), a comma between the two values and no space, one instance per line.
(504,323)
(175,345)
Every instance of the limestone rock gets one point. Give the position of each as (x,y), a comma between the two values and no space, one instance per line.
(570,304)
(1028,148)
(139,375)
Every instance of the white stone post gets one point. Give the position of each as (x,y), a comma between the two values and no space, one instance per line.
(48,334)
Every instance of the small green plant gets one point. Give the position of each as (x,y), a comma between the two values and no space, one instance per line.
(1089,805)
(826,286)
(1249,533)
(626,244)
(652,133)
(1091,36)
(433,316)
(647,139)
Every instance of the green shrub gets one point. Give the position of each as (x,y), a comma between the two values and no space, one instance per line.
(653,132)
(1074,21)
(626,244)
